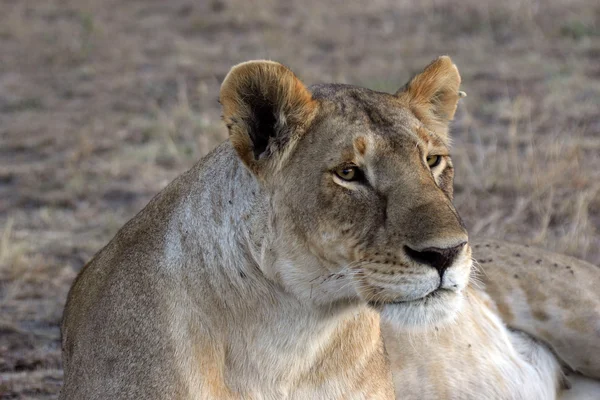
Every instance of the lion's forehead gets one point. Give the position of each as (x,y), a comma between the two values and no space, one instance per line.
(348,112)
(353,102)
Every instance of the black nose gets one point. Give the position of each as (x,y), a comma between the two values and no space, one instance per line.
(438,258)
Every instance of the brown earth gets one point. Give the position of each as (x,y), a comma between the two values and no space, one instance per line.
(102,103)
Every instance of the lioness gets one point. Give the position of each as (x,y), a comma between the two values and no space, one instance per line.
(259,272)
(252,276)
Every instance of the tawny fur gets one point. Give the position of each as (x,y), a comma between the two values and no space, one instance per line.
(257,273)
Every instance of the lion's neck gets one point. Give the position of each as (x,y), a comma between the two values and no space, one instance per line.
(287,339)
(474,357)
(262,334)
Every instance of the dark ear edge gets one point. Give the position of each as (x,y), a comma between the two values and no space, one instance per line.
(266,108)
(433,95)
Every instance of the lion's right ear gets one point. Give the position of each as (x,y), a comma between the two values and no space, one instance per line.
(266,109)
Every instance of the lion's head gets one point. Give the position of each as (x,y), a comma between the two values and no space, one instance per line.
(358,187)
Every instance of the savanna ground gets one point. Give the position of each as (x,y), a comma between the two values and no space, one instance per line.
(102,103)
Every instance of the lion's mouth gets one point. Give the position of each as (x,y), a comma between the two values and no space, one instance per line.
(435,294)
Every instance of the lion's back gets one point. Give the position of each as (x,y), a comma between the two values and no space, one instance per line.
(551,296)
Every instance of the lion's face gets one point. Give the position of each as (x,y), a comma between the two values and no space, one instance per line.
(360,185)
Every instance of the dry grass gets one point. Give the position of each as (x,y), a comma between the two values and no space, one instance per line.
(102,103)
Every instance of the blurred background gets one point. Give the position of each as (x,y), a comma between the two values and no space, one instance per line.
(103,102)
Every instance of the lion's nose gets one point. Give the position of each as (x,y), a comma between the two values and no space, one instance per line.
(436,257)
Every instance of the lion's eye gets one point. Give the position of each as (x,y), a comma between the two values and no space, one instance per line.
(348,173)
(433,161)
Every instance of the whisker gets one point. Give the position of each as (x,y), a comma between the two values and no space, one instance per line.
(478,267)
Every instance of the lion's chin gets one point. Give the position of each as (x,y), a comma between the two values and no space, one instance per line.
(438,308)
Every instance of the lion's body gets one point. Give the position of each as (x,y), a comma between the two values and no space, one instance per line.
(553,297)
(263,272)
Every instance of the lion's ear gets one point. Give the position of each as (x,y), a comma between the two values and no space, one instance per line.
(266,109)
(433,94)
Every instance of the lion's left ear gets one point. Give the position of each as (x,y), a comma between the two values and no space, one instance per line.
(433,95)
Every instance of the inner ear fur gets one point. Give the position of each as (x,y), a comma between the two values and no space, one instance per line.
(433,95)
(266,109)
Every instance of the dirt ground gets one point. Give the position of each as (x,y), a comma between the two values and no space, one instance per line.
(102,103)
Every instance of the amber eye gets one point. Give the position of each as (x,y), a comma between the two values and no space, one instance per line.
(348,173)
(433,161)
